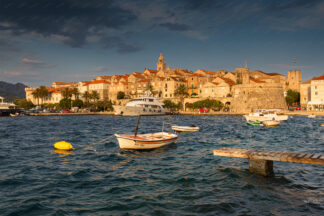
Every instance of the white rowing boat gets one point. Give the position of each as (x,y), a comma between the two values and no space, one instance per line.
(185,128)
(145,141)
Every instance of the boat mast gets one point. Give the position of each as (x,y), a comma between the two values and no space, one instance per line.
(138,121)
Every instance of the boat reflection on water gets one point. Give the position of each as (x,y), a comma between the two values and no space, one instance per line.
(144,153)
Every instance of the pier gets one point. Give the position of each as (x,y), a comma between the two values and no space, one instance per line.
(261,162)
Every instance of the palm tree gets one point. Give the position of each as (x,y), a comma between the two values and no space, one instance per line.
(149,88)
(66,93)
(36,94)
(86,96)
(76,93)
(43,92)
(95,96)
(181,91)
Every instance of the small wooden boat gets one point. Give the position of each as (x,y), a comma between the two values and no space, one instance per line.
(322,125)
(145,141)
(254,123)
(312,116)
(271,123)
(192,128)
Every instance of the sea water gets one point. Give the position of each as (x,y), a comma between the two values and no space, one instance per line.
(180,179)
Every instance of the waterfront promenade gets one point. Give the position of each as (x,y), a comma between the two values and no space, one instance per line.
(297,112)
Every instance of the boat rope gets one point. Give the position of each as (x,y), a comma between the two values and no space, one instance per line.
(95,143)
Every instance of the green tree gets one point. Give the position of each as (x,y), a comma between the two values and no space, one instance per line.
(293,97)
(105,105)
(207,104)
(77,103)
(65,103)
(171,105)
(120,95)
(36,94)
(23,103)
(94,96)
(86,96)
(43,92)
(75,92)
(66,93)
(149,87)
(181,91)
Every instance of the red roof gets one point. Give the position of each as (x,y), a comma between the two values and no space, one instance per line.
(152,71)
(145,80)
(228,80)
(98,82)
(256,81)
(319,78)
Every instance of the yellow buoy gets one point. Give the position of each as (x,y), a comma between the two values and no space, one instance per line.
(62,145)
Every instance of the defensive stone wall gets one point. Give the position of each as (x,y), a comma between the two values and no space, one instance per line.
(248,97)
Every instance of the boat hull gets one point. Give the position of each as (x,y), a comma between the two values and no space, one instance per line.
(135,111)
(185,129)
(266,118)
(129,142)
(271,123)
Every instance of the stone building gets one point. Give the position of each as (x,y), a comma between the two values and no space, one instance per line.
(294,80)
(242,75)
(249,97)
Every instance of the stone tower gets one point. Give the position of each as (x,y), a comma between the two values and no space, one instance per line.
(242,75)
(294,80)
(161,66)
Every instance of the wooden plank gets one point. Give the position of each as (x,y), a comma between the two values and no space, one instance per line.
(308,155)
(271,155)
(315,156)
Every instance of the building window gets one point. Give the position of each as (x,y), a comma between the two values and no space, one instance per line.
(170,95)
(315,93)
(166,95)
(192,78)
(315,87)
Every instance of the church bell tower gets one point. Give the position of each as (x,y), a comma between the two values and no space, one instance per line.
(161,66)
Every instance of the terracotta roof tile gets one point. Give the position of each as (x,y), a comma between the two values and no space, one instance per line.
(319,78)
(256,80)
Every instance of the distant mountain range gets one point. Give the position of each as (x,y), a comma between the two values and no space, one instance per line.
(12,91)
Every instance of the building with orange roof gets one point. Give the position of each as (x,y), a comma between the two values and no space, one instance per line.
(313,91)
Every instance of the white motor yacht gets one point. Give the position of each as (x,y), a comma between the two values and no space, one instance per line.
(6,108)
(266,115)
(141,106)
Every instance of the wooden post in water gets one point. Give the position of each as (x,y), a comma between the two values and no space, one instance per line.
(261,162)
(136,129)
(263,167)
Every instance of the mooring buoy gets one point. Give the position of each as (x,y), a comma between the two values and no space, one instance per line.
(63,145)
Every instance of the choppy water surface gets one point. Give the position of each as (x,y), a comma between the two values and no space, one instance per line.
(181,179)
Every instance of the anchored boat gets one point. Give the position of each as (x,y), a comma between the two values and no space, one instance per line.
(192,128)
(141,106)
(145,141)
(265,115)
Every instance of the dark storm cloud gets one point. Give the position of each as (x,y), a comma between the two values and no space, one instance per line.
(121,46)
(203,5)
(70,20)
(292,4)
(175,26)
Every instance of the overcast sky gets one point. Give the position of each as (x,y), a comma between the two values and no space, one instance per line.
(73,40)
